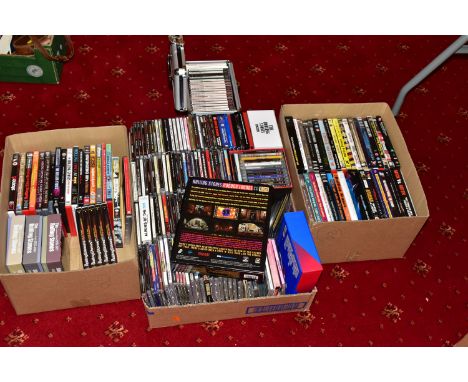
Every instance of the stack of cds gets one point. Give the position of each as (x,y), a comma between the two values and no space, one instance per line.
(201,87)
(165,153)
(348,169)
(161,286)
(212,87)
(261,166)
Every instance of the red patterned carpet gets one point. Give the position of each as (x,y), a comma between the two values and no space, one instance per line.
(420,300)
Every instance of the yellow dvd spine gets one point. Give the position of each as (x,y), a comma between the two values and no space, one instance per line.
(332,124)
(260,158)
(341,143)
(348,150)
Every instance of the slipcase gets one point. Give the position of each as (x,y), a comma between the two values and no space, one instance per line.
(301,262)
(343,241)
(38,292)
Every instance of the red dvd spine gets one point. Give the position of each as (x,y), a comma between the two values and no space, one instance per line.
(247,129)
(128,202)
(216,130)
(71,220)
(110,212)
(166,212)
(208,164)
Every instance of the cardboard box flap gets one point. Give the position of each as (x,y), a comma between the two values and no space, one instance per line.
(223,310)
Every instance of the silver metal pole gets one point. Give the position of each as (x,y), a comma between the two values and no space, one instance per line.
(456,46)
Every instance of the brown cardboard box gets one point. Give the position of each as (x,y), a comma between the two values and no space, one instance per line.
(368,239)
(177,315)
(31,293)
(463,342)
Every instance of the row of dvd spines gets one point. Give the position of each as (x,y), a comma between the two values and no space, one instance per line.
(230,131)
(166,284)
(72,175)
(159,182)
(346,195)
(58,182)
(169,172)
(96,238)
(341,143)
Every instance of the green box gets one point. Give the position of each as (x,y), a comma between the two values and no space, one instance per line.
(35,68)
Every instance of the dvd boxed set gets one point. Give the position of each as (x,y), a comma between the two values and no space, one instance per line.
(354,178)
(298,253)
(34,243)
(223,226)
(50,258)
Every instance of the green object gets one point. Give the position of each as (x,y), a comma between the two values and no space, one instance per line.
(36,68)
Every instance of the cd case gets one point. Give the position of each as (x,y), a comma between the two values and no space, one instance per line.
(201,87)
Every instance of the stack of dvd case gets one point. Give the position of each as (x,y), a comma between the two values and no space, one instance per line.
(162,286)
(34,244)
(65,181)
(348,169)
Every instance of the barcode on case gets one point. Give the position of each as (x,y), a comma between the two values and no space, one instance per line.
(275,308)
(264,127)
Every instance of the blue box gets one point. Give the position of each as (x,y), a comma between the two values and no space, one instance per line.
(299,257)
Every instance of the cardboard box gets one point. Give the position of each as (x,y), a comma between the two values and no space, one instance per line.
(367,239)
(250,307)
(38,292)
(34,68)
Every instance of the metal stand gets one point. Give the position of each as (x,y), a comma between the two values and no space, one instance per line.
(457,47)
